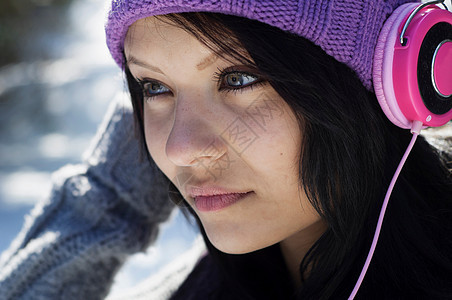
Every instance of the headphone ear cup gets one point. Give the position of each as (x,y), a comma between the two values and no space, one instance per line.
(434,69)
(382,66)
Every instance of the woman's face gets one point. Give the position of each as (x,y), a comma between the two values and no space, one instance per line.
(223,136)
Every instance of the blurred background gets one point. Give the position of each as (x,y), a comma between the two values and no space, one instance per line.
(56,81)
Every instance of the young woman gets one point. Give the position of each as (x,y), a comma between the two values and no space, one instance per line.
(262,116)
(285,153)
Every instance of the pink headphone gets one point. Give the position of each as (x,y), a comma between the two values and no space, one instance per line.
(412,74)
(413,65)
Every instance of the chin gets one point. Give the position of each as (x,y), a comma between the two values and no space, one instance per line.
(234,250)
(236,246)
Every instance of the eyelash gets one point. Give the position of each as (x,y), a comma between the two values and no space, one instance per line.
(142,83)
(219,77)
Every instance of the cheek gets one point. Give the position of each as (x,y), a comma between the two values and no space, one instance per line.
(156,136)
(278,145)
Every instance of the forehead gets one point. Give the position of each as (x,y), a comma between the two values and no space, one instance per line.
(151,29)
(152,36)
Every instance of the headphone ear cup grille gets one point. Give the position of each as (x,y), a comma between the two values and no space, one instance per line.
(382,66)
(434,102)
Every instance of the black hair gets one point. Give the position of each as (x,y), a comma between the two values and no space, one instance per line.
(348,156)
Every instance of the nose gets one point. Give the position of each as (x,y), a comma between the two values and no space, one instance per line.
(194,138)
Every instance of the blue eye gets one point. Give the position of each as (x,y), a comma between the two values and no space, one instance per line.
(238,79)
(153,88)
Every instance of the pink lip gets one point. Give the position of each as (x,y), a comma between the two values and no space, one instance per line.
(217,202)
(203,190)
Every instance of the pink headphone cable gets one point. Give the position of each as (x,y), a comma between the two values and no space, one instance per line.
(415,130)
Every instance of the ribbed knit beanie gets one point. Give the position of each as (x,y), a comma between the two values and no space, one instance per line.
(345,29)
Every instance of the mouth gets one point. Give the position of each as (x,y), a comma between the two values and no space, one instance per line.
(218,202)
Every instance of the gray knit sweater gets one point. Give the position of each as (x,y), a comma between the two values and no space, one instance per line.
(98,213)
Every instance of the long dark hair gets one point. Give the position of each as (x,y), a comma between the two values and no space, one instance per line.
(349,154)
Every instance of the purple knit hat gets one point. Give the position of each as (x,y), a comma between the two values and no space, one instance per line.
(346,29)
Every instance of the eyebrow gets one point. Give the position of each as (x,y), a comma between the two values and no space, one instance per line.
(135,61)
(207,61)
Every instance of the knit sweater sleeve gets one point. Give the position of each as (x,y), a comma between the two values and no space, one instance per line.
(97,214)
